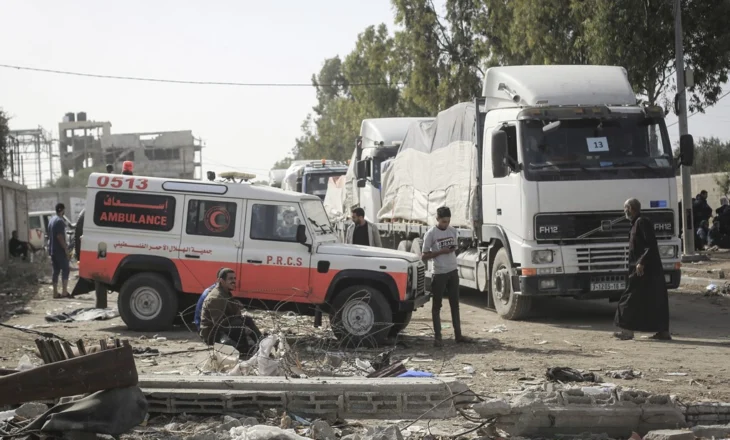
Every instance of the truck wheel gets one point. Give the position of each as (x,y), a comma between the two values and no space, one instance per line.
(147,302)
(362,316)
(417,247)
(508,305)
(404,246)
(400,322)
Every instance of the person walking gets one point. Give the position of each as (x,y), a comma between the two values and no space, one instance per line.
(644,305)
(439,245)
(58,250)
(361,231)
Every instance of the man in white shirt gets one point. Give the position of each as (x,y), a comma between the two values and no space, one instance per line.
(440,244)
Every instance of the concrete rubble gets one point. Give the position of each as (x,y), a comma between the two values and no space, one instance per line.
(573,410)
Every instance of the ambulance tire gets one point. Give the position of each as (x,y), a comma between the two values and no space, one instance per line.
(400,322)
(508,305)
(362,316)
(148,302)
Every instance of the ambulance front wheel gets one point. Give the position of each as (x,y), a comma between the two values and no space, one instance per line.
(362,316)
(147,302)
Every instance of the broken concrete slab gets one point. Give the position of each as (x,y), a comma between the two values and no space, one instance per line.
(572,411)
(492,407)
(670,434)
(711,431)
(263,432)
(31,410)
(355,398)
(321,430)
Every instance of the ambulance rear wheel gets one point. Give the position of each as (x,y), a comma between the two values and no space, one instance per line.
(362,316)
(147,302)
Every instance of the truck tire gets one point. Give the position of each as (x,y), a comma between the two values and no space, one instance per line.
(400,322)
(508,305)
(362,316)
(404,246)
(147,302)
(417,247)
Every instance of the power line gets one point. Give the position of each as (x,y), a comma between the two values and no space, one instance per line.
(718,100)
(189,82)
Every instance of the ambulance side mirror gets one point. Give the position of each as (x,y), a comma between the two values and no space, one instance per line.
(302,234)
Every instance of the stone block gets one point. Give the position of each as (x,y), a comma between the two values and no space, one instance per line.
(493,407)
(712,431)
(670,434)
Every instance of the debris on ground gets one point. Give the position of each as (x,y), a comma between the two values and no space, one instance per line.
(566,374)
(84,314)
(624,374)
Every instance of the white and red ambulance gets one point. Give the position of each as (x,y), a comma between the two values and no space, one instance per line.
(160,242)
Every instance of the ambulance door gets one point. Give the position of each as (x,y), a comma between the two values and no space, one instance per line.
(210,240)
(273,265)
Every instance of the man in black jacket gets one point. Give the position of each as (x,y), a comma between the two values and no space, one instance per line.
(644,306)
(701,209)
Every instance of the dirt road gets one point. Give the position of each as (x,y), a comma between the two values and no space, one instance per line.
(565,333)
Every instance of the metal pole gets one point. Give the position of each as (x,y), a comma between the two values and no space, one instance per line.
(689,237)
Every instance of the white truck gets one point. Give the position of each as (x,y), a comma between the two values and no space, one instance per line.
(312,176)
(535,172)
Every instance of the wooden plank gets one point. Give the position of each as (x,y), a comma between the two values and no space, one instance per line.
(103,370)
(42,351)
(59,351)
(80,346)
(68,350)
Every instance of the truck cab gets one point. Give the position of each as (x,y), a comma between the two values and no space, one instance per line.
(160,242)
(312,177)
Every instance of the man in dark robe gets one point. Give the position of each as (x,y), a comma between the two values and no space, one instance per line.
(644,306)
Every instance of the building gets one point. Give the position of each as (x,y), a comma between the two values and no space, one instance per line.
(84,144)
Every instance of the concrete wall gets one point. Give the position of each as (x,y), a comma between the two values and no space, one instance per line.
(45,199)
(13,214)
(706,182)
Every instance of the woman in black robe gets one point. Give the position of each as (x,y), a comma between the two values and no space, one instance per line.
(644,306)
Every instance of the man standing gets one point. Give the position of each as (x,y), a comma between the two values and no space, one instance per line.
(700,208)
(644,306)
(58,250)
(439,245)
(222,315)
(18,248)
(361,231)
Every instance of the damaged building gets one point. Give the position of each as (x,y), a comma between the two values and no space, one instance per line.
(84,143)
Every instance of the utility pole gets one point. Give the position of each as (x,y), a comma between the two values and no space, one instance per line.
(688,233)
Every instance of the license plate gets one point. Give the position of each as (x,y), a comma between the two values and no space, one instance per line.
(598,287)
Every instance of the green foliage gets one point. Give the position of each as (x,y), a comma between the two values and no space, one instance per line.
(4,147)
(282,164)
(435,58)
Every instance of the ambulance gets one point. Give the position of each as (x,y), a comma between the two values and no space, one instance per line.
(160,242)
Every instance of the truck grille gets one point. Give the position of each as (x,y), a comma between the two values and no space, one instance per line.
(591,227)
(421,279)
(597,259)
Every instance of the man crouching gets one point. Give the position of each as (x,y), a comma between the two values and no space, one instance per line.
(223,315)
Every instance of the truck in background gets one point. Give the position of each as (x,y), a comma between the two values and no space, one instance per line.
(536,172)
(276,176)
(311,176)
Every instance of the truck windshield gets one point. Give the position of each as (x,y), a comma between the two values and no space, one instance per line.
(316,183)
(317,216)
(628,146)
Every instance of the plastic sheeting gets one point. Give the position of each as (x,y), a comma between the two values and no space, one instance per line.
(436,166)
(333,198)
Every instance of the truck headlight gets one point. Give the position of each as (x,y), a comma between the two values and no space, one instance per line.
(667,251)
(542,256)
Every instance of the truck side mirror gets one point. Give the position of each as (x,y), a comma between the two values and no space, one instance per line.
(361,183)
(301,234)
(499,154)
(687,149)
(362,169)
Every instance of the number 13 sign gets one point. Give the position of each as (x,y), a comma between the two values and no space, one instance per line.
(597,144)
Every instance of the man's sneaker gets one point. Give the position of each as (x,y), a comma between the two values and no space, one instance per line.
(438,343)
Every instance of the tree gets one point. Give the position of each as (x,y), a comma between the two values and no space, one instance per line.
(635,34)
(711,156)
(282,164)
(4,147)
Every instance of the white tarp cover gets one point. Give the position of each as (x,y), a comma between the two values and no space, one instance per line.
(333,199)
(289,182)
(436,166)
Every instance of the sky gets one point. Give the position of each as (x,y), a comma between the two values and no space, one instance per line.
(244,128)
